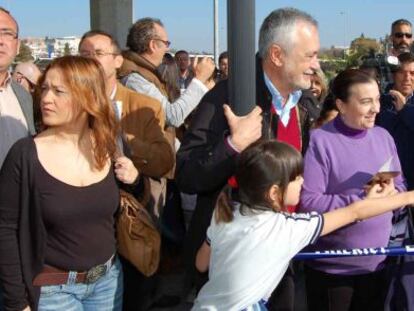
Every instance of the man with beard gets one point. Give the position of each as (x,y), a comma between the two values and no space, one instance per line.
(401,36)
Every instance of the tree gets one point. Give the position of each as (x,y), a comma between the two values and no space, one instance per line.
(332,52)
(66,50)
(25,54)
(361,47)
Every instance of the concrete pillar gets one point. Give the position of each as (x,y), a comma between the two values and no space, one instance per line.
(241,49)
(216,33)
(112,16)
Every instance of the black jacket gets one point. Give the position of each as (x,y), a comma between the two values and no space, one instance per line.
(400,124)
(204,161)
(23,236)
(22,233)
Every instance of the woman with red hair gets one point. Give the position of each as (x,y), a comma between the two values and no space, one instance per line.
(59,197)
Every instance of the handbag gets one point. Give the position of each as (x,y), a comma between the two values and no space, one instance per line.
(138,238)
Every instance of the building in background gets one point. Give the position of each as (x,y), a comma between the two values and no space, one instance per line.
(52,47)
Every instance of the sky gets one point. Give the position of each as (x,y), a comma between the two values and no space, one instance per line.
(189,23)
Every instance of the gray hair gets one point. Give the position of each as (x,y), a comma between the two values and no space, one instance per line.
(141,33)
(278,27)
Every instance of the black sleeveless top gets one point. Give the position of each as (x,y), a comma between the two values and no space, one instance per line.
(79,221)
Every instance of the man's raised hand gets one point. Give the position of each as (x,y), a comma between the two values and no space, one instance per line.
(246,129)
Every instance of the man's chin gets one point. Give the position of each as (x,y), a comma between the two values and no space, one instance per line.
(305,85)
(403,49)
(407,92)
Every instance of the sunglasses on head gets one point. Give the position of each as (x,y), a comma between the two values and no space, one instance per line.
(399,35)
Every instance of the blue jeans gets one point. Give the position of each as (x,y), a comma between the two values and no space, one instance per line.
(103,295)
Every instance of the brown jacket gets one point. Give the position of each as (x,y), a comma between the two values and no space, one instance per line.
(134,62)
(142,122)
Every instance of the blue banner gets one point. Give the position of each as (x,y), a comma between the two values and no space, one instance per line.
(388,251)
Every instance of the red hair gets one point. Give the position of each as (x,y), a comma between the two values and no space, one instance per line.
(85,79)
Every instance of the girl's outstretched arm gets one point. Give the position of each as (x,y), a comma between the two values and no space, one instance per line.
(367,208)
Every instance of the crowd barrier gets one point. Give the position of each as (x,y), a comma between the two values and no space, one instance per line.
(388,251)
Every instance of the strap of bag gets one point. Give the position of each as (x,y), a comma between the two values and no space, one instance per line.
(128,201)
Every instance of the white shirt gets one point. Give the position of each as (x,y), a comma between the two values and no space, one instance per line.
(250,255)
(282,108)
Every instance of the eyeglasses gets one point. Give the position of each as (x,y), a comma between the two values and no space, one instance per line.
(20,78)
(166,42)
(8,35)
(399,35)
(95,53)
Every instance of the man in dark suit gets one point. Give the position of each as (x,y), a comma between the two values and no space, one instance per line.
(288,47)
(397,114)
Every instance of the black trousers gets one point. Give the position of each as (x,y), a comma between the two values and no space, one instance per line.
(283,297)
(334,292)
(139,290)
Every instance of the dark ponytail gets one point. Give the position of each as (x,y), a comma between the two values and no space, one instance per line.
(260,166)
(224,208)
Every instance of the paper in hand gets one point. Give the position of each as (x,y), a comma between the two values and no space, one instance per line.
(384,173)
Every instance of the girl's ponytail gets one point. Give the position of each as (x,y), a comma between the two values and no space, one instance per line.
(224,208)
(263,164)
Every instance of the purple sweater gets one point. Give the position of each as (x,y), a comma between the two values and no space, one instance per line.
(338,163)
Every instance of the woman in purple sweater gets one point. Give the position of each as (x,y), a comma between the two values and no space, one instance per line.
(342,157)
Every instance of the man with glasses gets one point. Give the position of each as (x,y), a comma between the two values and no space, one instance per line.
(401,36)
(142,119)
(27,74)
(16,107)
(142,123)
(148,42)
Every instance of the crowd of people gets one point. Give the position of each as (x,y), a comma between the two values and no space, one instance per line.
(231,196)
